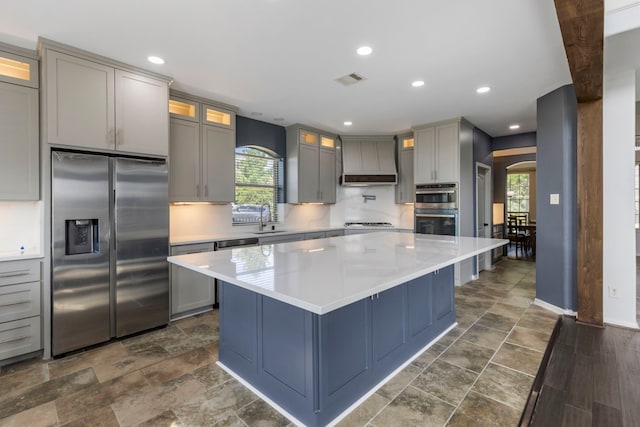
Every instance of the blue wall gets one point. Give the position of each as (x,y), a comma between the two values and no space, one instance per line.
(266,135)
(514,141)
(482,147)
(556,265)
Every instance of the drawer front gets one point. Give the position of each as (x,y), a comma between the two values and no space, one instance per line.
(334,233)
(24,271)
(19,337)
(191,249)
(19,301)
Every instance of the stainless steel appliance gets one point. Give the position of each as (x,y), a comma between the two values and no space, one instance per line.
(436,196)
(436,209)
(223,245)
(436,221)
(110,223)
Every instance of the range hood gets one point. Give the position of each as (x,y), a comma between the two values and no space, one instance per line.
(368,161)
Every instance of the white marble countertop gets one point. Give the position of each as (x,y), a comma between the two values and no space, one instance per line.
(325,274)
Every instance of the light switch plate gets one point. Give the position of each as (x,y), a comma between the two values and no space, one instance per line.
(554,199)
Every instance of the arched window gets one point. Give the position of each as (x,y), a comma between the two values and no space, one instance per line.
(258,181)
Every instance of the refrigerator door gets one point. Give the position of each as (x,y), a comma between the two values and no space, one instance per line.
(80,250)
(142,245)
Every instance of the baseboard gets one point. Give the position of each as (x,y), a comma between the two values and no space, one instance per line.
(554,308)
(622,324)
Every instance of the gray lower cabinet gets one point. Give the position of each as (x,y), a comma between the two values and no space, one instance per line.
(281,238)
(498,233)
(191,292)
(334,233)
(20,319)
(19,143)
(315,235)
(339,356)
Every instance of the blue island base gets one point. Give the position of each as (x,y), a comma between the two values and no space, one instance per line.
(315,367)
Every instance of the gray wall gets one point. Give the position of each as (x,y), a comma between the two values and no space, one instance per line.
(557,224)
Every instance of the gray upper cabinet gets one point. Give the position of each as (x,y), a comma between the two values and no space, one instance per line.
(405,189)
(218,164)
(437,153)
(142,118)
(18,66)
(311,165)
(202,151)
(184,153)
(94,105)
(19,128)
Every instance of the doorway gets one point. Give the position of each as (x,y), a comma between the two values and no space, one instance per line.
(520,198)
(484,222)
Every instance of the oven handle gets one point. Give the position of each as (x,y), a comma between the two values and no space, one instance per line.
(435,216)
(435,191)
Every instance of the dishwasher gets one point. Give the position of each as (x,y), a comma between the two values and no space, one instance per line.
(222,245)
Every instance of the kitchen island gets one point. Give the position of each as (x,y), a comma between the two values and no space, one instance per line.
(315,326)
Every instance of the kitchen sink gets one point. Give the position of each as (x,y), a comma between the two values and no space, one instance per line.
(269,231)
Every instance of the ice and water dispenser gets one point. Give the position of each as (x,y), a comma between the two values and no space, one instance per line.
(81,236)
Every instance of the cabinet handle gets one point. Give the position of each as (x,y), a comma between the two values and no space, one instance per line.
(197,190)
(110,137)
(119,136)
(15,303)
(20,338)
(206,191)
(14,273)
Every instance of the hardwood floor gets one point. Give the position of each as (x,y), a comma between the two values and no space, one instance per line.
(593,378)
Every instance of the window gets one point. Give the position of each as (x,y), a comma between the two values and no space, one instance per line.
(258,183)
(518,192)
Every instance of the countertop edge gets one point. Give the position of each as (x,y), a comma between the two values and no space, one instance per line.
(344,301)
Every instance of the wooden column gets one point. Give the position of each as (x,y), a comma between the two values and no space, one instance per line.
(582,27)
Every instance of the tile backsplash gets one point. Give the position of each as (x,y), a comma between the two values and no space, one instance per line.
(21,225)
(206,219)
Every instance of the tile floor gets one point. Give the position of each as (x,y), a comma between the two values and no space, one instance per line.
(478,374)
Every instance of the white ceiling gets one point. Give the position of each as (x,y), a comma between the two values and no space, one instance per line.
(280,57)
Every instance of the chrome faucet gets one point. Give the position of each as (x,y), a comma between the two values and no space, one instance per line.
(262,224)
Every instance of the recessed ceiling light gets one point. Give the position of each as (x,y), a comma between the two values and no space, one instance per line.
(364,50)
(155,60)
(483,89)
(256,113)
(514,127)
(417,83)
(348,123)
(278,119)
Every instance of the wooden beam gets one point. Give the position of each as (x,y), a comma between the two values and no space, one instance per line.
(582,27)
(590,206)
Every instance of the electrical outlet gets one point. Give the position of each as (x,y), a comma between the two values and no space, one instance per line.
(613,292)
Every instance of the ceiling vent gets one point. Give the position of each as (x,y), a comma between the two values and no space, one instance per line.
(350,79)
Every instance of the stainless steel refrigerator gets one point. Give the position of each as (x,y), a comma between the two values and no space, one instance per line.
(110,242)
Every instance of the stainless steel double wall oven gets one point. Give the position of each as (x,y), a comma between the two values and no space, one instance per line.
(436,209)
